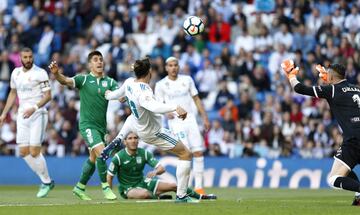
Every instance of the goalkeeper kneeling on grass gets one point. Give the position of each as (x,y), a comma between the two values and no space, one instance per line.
(128,165)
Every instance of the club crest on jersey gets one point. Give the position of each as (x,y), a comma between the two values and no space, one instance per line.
(104,83)
(138,160)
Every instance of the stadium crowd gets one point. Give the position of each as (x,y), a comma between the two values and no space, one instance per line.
(235,64)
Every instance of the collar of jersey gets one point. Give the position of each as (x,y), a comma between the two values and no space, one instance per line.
(95,76)
(129,153)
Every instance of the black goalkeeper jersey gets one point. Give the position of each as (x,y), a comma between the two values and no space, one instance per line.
(344,101)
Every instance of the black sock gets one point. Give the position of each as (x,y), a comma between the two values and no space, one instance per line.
(353,176)
(347,183)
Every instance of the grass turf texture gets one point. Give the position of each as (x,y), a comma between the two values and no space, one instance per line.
(19,200)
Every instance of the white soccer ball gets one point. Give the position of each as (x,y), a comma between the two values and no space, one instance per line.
(193,25)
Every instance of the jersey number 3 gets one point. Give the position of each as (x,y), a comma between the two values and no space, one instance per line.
(356,98)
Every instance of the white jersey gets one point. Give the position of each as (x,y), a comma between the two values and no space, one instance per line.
(144,107)
(179,92)
(30,86)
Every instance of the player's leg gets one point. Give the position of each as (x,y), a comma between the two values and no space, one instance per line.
(38,123)
(139,193)
(116,143)
(340,175)
(87,171)
(96,150)
(196,146)
(164,187)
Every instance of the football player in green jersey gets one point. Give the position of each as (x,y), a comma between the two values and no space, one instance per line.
(92,125)
(128,165)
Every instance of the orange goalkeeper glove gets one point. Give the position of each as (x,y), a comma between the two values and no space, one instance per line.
(289,68)
(323,74)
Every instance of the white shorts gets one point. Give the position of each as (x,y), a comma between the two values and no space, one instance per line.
(31,131)
(164,139)
(188,132)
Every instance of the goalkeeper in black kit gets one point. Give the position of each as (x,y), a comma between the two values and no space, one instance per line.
(344,102)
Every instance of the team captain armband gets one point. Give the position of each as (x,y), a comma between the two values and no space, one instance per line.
(44,86)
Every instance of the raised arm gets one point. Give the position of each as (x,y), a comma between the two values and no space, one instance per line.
(62,79)
(291,71)
(116,94)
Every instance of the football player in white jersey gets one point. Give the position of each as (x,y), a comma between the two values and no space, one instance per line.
(30,84)
(145,120)
(180,90)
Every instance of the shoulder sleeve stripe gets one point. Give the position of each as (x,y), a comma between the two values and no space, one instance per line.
(333,91)
(117,156)
(73,80)
(146,155)
(316,95)
(84,80)
(111,82)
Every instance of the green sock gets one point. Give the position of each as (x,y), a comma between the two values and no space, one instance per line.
(102,169)
(88,170)
(192,193)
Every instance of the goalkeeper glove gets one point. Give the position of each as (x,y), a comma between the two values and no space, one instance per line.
(289,68)
(323,74)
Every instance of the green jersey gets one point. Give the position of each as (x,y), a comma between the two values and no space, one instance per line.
(129,168)
(93,105)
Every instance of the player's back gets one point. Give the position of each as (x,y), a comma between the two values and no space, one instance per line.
(137,92)
(345,105)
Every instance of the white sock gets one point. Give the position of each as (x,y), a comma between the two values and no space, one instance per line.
(38,165)
(182,176)
(198,168)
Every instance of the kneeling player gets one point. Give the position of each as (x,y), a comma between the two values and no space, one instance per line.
(128,165)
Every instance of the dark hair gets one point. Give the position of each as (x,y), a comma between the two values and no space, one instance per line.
(92,54)
(142,67)
(338,69)
(26,49)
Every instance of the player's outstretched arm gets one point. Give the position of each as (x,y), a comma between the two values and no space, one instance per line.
(62,79)
(116,94)
(316,91)
(9,103)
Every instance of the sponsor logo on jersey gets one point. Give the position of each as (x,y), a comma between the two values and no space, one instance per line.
(104,83)
(138,160)
(91,82)
(126,162)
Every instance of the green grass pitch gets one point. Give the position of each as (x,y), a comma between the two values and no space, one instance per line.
(17,200)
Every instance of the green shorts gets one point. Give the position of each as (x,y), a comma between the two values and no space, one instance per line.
(93,137)
(148,184)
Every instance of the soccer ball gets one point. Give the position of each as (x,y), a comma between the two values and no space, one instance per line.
(193,25)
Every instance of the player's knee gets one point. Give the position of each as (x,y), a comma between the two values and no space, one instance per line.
(185,154)
(23,153)
(198,154)
(34,154)
(331,180)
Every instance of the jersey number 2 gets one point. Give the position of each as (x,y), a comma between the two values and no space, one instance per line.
(356,98)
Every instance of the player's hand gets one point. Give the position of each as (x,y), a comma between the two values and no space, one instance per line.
(323,74)
(54,68)
(2,120)
(181,112)
(28,112)
(289,68)
(207,124)
(170,115)
(151,174)
(122,99)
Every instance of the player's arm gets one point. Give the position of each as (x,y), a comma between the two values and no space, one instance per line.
(201,109)
(148,102)
(9,103)
(62,79)
(116,94)
(113,169)
(153,162)
(315,91)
